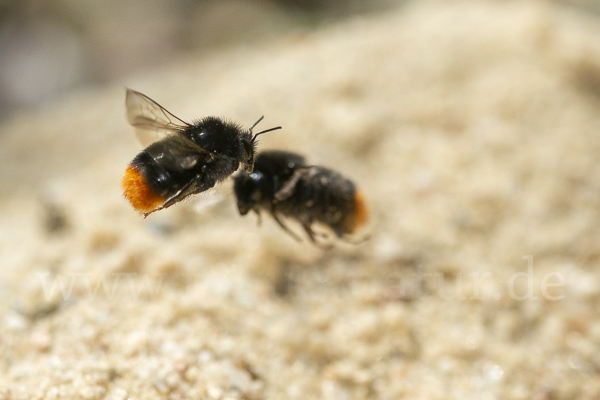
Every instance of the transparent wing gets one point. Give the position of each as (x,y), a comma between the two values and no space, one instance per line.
(152,122)
(187,153)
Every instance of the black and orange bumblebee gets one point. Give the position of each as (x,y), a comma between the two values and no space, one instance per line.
(284,185)
(181,159)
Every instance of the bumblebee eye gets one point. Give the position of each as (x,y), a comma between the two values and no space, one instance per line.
(248,151)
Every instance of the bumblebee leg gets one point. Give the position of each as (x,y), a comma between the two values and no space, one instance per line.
(310,232)
(285,228)
(356,241)
(188,189)
(259,217)
(312,235)
(288,187)
(339,232)
(180,195)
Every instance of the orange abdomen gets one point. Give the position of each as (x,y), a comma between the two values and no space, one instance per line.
(359,216)
(137,191)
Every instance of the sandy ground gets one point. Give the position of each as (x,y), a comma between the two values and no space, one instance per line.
(472,128)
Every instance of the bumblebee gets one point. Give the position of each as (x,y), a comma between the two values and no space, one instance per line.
(284,185)
(181,159)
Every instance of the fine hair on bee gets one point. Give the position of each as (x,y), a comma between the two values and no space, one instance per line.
(284,185)
(181,159)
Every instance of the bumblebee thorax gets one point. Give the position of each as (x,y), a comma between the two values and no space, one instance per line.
(220,136)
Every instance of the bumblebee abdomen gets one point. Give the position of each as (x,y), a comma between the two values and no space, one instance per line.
(327,197)
(147,184)
(139,191)
(359,215)
(338,203)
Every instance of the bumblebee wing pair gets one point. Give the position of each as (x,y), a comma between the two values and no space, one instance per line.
(152,122)
(286,191)
(304,174)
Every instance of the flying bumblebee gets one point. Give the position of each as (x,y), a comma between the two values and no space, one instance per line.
(181,159)
(284,185)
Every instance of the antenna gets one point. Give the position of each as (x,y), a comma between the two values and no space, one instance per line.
(256,123)
(260,133)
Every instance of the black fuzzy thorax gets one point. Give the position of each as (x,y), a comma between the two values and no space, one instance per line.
(277,167)
(219,136)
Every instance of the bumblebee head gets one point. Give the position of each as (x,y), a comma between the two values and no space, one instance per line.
(249,151)
(248,190)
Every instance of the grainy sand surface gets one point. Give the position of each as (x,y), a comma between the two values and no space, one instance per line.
(474,130)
